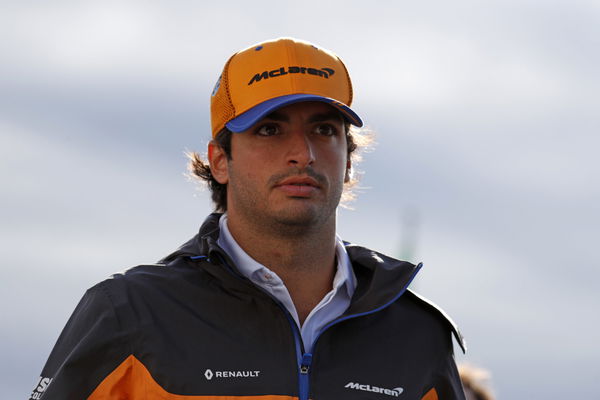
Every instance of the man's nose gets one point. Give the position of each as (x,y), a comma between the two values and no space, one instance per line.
(301,153)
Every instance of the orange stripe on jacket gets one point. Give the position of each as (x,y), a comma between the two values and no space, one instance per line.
(431,395)
(131,380)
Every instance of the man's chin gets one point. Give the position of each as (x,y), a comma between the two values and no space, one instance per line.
(300,218)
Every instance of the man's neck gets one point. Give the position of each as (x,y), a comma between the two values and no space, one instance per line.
(305,262)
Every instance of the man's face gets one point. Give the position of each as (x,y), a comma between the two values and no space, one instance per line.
(289,169)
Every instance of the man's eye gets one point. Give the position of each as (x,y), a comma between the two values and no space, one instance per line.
(267,130)
(326,130)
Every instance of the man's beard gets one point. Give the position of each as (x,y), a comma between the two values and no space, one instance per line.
(291,220)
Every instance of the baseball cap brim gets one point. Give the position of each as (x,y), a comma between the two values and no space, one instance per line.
(247,119)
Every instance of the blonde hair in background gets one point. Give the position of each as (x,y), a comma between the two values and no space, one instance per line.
(476,382)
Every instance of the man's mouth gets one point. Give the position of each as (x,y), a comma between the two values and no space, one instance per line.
(299,181)
(297,186)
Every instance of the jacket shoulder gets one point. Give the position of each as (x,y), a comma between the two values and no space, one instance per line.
(150,272)
(436,310)
(138,281)
(133,274)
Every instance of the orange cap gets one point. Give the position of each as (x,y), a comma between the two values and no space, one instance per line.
(269,75)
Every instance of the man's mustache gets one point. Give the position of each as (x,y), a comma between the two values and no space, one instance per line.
(321,179)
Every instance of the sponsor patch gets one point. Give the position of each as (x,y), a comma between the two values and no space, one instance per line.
(210,374)
(40,388)
(395,392)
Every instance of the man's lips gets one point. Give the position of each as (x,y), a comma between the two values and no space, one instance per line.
(296,186)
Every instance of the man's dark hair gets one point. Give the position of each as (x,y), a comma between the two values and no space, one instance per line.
(200,169)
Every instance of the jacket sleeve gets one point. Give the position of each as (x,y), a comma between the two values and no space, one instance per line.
(446,381)
(92,344)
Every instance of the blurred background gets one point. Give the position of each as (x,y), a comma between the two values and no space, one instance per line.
(486,117)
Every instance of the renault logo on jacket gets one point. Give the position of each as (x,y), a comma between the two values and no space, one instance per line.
(209,374)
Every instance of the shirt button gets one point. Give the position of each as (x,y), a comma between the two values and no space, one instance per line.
(268,276)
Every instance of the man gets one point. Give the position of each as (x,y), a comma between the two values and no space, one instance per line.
(266,302)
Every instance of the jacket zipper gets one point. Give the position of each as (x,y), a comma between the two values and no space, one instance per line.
(304,375)
(305,361)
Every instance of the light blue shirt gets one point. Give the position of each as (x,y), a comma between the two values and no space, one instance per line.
(330,307)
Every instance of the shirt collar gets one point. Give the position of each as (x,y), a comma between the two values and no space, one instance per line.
(253,270)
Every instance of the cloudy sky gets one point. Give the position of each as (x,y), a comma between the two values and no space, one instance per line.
(487,121)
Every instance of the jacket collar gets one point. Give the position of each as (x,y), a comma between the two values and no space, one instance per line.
(380,279)
(202,244)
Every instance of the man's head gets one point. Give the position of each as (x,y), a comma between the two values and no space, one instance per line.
(284,87)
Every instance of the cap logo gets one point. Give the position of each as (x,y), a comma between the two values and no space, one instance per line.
(323,72)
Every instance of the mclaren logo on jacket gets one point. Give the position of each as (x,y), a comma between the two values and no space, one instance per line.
(395,392)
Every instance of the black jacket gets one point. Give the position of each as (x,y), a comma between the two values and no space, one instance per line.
(191,327)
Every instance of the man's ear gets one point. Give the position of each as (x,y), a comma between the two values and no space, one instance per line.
(348,171)
(218,162)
